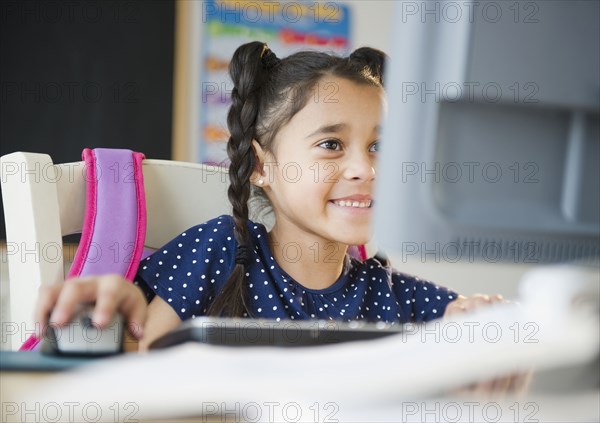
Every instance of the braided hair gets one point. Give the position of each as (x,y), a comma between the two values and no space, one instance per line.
(267,93)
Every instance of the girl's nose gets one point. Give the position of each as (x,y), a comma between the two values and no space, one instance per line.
(359,166)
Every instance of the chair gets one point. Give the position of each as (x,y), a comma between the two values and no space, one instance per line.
(44,202)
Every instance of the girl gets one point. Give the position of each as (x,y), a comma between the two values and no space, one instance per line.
(304,135)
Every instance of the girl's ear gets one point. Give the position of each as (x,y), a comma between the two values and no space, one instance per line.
(259,177)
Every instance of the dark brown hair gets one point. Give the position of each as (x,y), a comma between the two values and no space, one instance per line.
(267,93)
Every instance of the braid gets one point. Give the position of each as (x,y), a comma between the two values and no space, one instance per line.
(261,103)
(247,73)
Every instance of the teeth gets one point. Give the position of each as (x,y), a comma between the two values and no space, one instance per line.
(359,204)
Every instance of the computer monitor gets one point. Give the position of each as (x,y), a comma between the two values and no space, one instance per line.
(491,144)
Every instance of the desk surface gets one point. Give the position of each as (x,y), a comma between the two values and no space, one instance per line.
(579,407)
(386,380)
(14,384)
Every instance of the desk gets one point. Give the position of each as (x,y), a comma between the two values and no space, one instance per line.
(13,384)
(392,379)
(579,407)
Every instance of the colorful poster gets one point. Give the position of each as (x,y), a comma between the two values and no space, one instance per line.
(287,27)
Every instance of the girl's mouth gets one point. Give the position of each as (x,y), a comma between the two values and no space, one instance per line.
(355,204)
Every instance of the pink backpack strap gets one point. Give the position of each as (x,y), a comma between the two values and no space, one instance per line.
(114,225)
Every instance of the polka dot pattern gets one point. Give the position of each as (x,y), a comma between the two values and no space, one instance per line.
(191,269)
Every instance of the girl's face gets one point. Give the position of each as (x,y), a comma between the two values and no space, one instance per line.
(320,178)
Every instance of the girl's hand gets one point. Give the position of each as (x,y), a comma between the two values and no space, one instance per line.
(514,384)
(111,293)
(466,304)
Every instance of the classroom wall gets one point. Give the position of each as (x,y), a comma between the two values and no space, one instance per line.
(85,74)
(372,23)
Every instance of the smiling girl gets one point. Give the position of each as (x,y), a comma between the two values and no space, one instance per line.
(304,138)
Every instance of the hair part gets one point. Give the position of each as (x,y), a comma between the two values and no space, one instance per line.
(268,92)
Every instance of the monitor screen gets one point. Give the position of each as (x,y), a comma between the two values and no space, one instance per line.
(491,143)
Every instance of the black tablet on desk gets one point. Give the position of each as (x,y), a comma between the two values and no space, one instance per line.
(261,332)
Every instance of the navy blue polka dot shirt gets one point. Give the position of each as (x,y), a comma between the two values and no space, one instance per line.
(190,271)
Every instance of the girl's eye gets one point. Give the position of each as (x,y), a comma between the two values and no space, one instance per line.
(331,145)
(374,148)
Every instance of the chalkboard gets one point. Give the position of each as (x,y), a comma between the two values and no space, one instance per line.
(86,74)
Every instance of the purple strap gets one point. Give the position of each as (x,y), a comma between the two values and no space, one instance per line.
(114,225)
(111,225)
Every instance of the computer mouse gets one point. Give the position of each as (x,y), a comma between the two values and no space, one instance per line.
(81,338)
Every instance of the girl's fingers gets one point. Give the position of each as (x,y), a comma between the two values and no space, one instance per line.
(477,301)
(116,294)
(134,309)
(491,388)
(474,302)
(73,293)
(502,385)
(520,383)
(48,294)
(57,303)
(485,388)
(111,291)
(455,307)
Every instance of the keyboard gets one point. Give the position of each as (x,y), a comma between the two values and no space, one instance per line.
(262,332)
